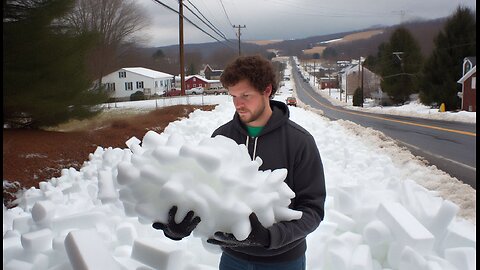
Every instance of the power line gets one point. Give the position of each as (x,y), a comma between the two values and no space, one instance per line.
(209,24)
(188,20)
(225,11)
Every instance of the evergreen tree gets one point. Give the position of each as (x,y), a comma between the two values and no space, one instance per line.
(44,71)
(329,53)
(372,62)
(158,55)
(400,65)
(192,69)
(444,67)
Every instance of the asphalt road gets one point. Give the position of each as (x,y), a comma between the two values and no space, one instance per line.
(450,146)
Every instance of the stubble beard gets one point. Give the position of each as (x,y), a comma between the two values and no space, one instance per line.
(252,116)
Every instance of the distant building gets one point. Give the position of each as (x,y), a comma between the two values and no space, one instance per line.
(126,81)
(199,81)
(328,82)
(350,78)
(212,74)
(469,87)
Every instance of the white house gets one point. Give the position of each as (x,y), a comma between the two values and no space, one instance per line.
(126,81)
(350,78)
(347,78)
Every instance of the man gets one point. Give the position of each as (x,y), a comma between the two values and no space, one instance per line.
(263,125)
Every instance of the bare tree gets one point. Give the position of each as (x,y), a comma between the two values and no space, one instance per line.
(116,22)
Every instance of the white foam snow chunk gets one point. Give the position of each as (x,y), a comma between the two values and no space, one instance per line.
(86,250)
(216,178)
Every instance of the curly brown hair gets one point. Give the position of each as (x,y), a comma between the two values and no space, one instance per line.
(256,69)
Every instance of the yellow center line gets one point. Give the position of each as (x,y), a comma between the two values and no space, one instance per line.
(396,121)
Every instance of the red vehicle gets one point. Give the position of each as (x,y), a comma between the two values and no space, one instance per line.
(291,101)
(172,93)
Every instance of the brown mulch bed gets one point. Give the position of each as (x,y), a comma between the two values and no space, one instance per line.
(31,156)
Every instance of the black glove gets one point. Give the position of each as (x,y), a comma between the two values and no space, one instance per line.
(178,231)
(259,236)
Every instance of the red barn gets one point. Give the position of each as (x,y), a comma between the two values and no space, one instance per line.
(196,81)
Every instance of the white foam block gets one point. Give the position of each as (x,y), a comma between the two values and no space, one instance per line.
(37,240)
(39,260)
(344,201)
(106,188)
(43,212)
(410,259)
(345,223)
(435,262)
(23,223)
(405,228)
(462,258)
(376,232)
(158,254)
(30,197)
(18,265)
(58,243)
(459,234)
(338,254)
(85,220)
(126,233)
(393,258)
(353,239)
(361,258)
(12,247)
(85,250)
(446,213)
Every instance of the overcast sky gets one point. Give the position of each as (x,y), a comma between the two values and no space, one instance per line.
(283,19)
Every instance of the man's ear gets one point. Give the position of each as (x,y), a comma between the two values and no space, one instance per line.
(268,90)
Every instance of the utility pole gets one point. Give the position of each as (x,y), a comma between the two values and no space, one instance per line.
(359,75)
(239,27)
(180,34)
(361,91)
(346,87)
(328,80)
(339,78)
(314,75)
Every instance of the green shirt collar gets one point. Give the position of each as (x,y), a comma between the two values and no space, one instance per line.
(254,131)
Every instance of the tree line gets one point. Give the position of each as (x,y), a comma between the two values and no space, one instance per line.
(405,71)
(53,52)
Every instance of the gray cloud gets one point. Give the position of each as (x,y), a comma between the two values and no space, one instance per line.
(287,19)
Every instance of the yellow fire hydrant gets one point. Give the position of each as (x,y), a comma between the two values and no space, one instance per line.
(442,107)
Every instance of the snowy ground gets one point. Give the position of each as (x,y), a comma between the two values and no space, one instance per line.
(385,209)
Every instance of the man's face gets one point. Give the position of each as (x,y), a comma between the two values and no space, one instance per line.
(249,103)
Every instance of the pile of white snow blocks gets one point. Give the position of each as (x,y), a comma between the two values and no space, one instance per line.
(405,230)
(100,216)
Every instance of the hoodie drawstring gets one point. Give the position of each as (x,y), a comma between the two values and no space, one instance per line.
(254,146)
